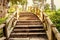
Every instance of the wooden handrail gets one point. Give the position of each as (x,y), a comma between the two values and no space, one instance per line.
(54,29)
(56,32)
(49,21)
(11,16)
(2,25)
(10,22)
(51,27)
(48,24)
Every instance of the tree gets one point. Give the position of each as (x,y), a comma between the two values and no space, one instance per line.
(22,2)
(52,5)
(46,7)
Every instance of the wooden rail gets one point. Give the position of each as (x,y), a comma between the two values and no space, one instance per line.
(56,33)
(49,27)
(10,23)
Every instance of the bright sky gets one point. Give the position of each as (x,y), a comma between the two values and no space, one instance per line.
(30,2)
(56,2)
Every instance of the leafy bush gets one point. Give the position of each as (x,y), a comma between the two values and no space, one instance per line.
(2,20)
(55,17)
(11,10)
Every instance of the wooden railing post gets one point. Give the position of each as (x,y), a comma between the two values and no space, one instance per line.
(55,32)
(10,23)
(47,25)
(51,29)
(6,33)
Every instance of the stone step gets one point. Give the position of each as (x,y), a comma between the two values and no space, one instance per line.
(25,35)
(30,36)
(30,22)
(27,15)
(28,18)
(27,29)
(29,33)
(29,26)
(32,27)
(18,38)
(36,38)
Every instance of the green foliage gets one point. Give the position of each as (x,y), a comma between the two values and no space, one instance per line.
(46,7)
(22,2)
(11,10)
(2,20)
(54,8)
(55,17)
(13,1)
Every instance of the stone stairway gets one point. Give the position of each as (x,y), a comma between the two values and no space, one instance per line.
(28,27)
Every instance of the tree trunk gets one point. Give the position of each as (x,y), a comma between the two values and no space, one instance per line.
(22,7)
(52,5)
(25,7)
